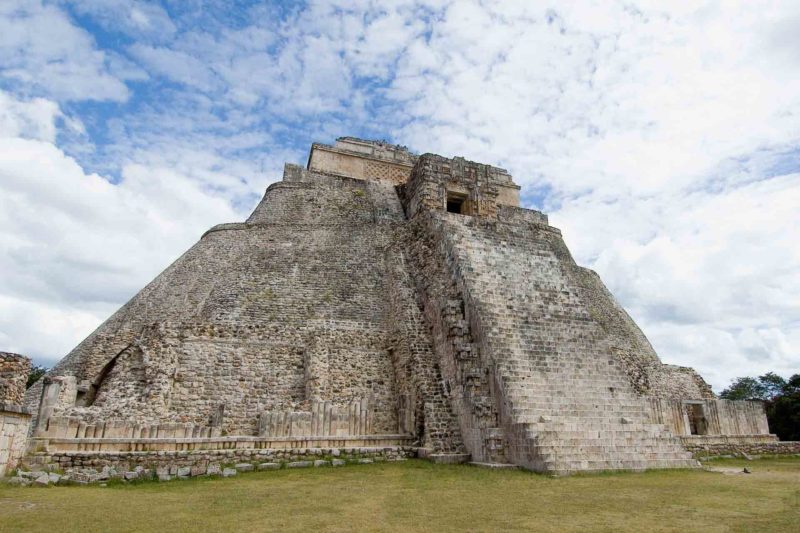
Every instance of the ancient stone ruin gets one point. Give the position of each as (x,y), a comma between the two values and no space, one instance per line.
(380,301)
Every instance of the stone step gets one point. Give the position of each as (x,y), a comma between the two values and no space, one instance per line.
(555,407)
(607,448)
(580,432)
(596,467)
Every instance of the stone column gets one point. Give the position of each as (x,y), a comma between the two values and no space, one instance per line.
(58,392)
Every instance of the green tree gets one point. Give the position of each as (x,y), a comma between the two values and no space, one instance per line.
(772,385)
(744,389)
(783,412)
(781,401)
(35,374)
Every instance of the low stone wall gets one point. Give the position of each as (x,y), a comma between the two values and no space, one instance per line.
(87,467)
(187,443)
(721,445)
(733,418)
(14,419)
(14,423)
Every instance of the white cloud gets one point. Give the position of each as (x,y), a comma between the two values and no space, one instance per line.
(35,119)
(140,19)
(655,132)
(75,245)
(41,49)
(662,137)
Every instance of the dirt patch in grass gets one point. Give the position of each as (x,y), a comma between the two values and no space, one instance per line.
(419,496)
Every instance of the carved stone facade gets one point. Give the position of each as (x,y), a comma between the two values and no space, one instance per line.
(381,297)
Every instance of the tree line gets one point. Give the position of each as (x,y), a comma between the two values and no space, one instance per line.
(781,399)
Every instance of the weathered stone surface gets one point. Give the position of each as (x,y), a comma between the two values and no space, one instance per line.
(14,370)
(299,464)
(228,472)
(377,298)
(244,467)
(269,466)
(14,418)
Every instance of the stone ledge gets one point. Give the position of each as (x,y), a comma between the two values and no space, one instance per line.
(14,408)
(443,458)
(187,444)
(705,440)
(495,466)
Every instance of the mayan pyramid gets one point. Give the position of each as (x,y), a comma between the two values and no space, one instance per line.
(377,297)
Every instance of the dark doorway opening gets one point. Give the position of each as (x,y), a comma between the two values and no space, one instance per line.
(697,419)
(455,203)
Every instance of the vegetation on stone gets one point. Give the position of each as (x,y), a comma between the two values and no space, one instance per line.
(35,375)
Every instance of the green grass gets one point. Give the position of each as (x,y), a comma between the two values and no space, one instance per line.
(419,496)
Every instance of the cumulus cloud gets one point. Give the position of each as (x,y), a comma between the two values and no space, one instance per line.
(662,138)
(76,245)
(42,51)
(138,19)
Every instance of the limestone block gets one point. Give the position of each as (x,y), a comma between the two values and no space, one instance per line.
(299,464)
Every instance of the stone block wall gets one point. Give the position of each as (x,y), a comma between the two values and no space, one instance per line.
(14,419)
(709,446)
(283,313)
(87,467)
(482,188)
(14,423)
(363,160)
(464,367)
(716,417)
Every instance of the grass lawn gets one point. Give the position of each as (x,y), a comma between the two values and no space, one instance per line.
(420,496)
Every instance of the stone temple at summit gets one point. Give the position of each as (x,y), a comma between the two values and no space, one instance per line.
(378,299)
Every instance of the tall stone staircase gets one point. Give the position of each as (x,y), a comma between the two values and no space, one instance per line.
(566,402)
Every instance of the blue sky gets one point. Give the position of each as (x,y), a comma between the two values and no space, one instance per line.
(661,137)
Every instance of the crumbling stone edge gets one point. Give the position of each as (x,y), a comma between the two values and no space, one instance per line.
(83,468)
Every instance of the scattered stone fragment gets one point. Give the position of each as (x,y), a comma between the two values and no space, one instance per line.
(269,466)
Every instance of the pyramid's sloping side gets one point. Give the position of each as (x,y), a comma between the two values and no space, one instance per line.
(543,354)
(271,314)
